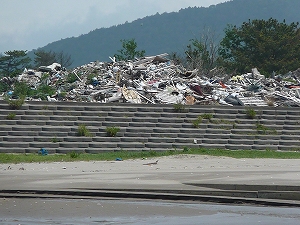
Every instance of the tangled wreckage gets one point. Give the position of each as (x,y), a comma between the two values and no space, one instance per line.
(158,80)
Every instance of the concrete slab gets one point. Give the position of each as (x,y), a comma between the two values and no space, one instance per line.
(188,175)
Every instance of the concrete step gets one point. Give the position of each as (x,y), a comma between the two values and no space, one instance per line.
(6,117)
(39,112)
(144,127)
(194,135)
(238,147)
(129,145)
(32,122)
(53,134)
(99,114)
(5,112)
(214,141)
(290,132)
(265,147)
(115,124)
(217,131)
(166,146)
(22,133)
(266,142)
(8,122)
(100,145)
(212,146)
(45,145)
(162,140)
(225,116)
(289,148)
(19,150)
(273,112)
(18,138)
(217,136)
(221,126)
(35,117)
(14,144)
(119,119)
(134,139)
(295,142)
(42,107)
(61,123)
(289,137)
(182,146)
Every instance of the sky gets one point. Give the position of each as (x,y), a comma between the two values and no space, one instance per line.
(30,24)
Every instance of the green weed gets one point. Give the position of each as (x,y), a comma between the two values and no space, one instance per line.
(83,131)
(179,107)
(74,155)
(250,113)
(11,116)
(196,122)
(207,116)
(112,131)
(15,104)
(55,140)
(71,78)
(264,130)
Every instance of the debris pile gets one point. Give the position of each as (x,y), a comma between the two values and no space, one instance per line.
(158,80)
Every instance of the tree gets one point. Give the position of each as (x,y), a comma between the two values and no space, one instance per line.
(128,51)
(202,54)
(268,45)
(44,58)
(177,58)
(63,59)
(13,62)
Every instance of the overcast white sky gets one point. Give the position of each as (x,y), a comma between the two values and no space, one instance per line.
(29,24)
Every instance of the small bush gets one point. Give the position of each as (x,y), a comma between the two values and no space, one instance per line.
(44,77)
(11,116)
(4,86)
(250,113)
(185,149)
(71,78)
(262,129)
(153,153)
(197,121)
(83,131)
(74,155)
(62,95)
(179,107)
(89,78)
(16,103)
(43,91)
(55,140)
(112,131)
(207,116)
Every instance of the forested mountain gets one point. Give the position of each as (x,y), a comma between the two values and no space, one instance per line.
(171,32)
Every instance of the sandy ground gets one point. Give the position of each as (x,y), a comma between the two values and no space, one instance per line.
(171,172)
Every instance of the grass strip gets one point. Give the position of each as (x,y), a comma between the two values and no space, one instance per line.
(111,156)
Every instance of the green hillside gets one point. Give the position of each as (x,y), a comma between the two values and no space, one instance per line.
(171,32)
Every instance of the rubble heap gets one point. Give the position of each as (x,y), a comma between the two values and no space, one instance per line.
(158,80)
